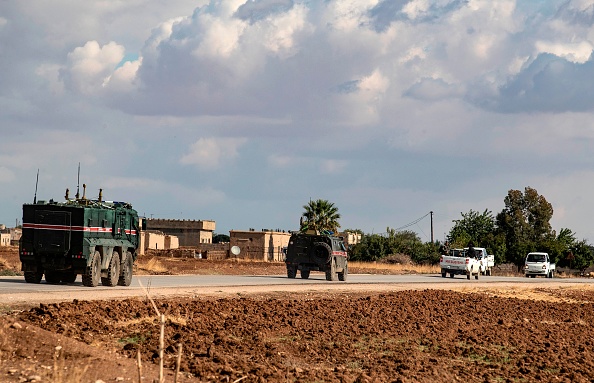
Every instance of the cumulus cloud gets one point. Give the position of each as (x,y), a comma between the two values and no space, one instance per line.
(210,153)
(89,67)
(433,90)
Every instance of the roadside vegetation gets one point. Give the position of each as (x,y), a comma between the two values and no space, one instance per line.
(522,226)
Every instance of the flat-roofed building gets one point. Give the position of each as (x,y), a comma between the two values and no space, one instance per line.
(188,232)
(265,245)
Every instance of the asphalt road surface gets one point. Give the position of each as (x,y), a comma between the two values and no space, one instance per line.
(14,291)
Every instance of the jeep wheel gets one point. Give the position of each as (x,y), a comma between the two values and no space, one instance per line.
(68,277)
(291,271)
(304,274)
(33,276)
(52,277)
(331,271)
(342,276)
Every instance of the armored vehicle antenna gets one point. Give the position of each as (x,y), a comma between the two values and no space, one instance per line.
(36,182)
(78,182)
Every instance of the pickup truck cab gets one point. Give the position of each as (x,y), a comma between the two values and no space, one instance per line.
(538,263)
(460,262)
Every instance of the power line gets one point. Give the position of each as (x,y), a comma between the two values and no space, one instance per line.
(412,223)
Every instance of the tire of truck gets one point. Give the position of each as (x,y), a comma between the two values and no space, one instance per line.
(342,276)
(126,268)
(94,273)
(68,277)
(551,274)
(451,275)
(33,276)
(331,271)
(477,275)
(533,276)
(443,273)
(322,252)
(291,271)
(304,274)
(113,271)
(489,272)
(53,277)
(468,275)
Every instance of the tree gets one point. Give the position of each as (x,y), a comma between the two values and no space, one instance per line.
(320,215)
(525,222)
(220,238)
(473,227)
(480,229)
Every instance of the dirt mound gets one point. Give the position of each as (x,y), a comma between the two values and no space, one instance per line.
(411,336)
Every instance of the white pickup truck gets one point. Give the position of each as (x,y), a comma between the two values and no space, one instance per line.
(539,263)
(458,262)
(487,261)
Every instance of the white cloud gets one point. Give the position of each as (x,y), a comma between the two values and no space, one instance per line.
(90,66)
(210,153)
(575,52)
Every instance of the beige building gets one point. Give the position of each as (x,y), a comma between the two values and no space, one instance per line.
(350,238)
(156,240)
(259,245)
(4,239)
(189,232)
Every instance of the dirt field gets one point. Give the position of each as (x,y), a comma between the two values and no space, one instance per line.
(503,335)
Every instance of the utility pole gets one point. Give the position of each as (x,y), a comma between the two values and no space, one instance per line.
(431,226)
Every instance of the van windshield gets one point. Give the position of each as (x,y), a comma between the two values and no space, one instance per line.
(536,258)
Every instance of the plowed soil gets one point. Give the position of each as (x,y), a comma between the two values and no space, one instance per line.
(504,335)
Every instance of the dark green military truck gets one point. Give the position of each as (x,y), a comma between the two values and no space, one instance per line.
(317,252)
(94,238)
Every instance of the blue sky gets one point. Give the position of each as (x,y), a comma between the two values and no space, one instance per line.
(241,112)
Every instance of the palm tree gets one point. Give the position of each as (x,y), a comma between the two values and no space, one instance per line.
(320,215)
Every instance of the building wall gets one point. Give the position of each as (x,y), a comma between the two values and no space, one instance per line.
(171,242)
(153,240)
(259,245)
(4,239)
(189,232)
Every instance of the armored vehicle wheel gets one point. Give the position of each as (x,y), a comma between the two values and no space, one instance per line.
(33,276)
(342,276)
(304,274)
(331,271)
(126,270)
(92,278)
(53,277)
(113,271)
(68,277)
(291,271)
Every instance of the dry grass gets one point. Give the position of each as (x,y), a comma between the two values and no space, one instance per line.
(394,267)
(152,265)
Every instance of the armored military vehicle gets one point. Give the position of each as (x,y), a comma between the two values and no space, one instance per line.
(94,238)
(317,252)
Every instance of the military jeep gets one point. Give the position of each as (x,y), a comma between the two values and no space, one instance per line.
(317,252)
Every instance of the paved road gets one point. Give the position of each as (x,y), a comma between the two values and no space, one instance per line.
(14,290)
